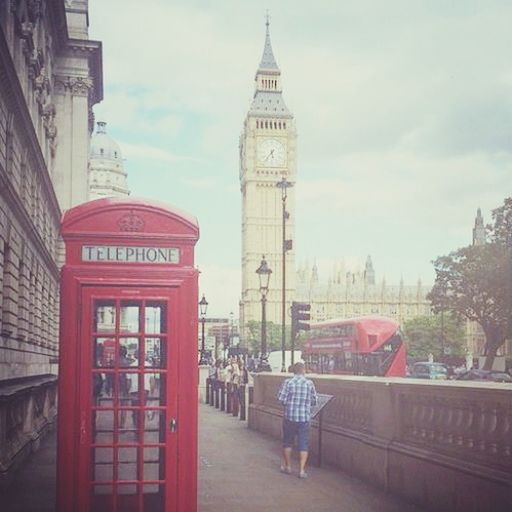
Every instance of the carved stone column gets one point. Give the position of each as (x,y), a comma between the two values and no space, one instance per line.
(72,99)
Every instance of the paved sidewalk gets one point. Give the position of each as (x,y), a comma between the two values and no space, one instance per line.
(239,470)
(33,490)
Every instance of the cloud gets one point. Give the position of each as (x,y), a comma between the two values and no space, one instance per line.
(201,183)
(221,287)
(149,153)
(403,109)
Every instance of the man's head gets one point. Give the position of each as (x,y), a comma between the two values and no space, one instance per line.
(299,369)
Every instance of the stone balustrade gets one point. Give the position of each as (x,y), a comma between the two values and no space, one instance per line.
(444,445)
(28,408)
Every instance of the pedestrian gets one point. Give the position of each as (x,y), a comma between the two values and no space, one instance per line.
(243,380)
(212,369)
(297,394)
(234,371)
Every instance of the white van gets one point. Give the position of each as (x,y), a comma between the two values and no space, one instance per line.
(275,359)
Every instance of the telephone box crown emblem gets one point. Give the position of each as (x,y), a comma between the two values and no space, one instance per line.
(131,222)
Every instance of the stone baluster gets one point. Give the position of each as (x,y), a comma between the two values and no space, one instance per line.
(505,433)
(492,429)
(459,424)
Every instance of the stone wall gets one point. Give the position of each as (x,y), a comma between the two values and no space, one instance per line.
(443,445)
(28,408)
(50,77)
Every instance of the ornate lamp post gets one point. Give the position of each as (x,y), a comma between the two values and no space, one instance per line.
(203,306)
(263,272)
(284,185)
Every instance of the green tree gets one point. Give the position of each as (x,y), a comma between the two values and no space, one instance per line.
(434,334)
(273,336)
(474,283)
(500,231)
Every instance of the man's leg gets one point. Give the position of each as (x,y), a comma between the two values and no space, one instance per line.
(288,435)
(287,457)
(303,438)
(303,458)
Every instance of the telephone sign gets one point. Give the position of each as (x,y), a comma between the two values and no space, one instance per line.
(127,434)
(127,254)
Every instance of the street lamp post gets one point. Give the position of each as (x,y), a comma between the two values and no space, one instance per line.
(203,306)
(263,272)
(284,185)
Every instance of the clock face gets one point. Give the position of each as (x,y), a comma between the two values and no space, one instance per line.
(271,153)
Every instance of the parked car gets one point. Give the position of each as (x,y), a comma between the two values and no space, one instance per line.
(426,370)
(485,375)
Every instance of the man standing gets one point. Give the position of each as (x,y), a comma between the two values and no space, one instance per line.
(297,395)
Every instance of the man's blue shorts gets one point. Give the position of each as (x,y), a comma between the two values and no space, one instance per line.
(299,429)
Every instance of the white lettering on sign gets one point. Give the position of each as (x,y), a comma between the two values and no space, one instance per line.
(127,254)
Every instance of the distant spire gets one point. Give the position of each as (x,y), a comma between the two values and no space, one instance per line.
(268,61)
(369,272)
(479,229)
(314,273)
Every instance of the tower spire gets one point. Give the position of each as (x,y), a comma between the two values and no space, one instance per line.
(369,272)
(479,229)
(268,61)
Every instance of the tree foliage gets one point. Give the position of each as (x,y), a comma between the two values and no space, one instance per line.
(435,334)
(500,231)
(474,283)
(273,336)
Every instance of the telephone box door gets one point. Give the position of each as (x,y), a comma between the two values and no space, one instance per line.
(128,400)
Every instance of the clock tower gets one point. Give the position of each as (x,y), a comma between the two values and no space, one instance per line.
(268,153)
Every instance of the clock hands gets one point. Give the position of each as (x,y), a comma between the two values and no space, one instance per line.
(271,154)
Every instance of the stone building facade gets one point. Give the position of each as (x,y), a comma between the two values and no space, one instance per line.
(349,293)
(268,153)
(50,78)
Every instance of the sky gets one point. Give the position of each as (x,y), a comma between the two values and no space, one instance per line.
(403,111)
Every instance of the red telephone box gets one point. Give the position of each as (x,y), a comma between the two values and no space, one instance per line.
(127,435)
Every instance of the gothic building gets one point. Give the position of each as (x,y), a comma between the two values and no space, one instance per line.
(479,236)
(474,334)
(349,293)
(107,176)
(268,153)
(50,78)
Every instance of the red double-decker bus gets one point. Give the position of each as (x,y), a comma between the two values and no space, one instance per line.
(368,345)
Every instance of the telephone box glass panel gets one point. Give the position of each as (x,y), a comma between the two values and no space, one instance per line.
(129,378)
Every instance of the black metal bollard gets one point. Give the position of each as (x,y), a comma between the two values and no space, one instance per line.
(241,394)
(229,397)
(217,391)
(207,391)
(212,392)
(251,394)
(222,396)
(234,400)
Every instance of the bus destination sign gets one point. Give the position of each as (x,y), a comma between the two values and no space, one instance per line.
(130,254)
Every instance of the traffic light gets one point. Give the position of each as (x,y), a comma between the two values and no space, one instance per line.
(300,312)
